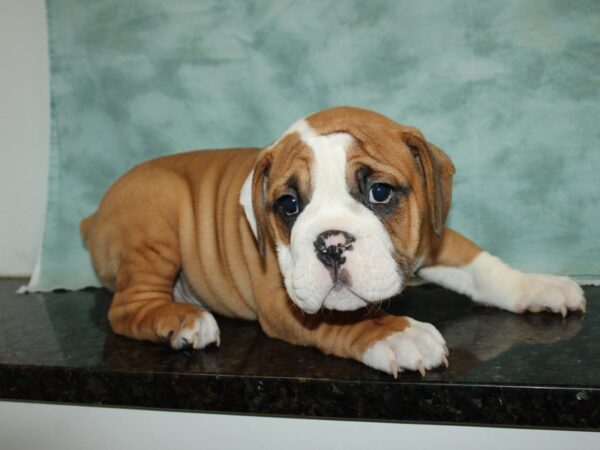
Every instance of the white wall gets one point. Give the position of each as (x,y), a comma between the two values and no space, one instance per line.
(24,132)
(60,427)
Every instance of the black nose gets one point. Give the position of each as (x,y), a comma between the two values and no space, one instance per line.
(331,245)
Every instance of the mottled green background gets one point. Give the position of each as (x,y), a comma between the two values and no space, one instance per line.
(510,89)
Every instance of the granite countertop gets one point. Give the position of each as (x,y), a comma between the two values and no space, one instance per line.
(526,370)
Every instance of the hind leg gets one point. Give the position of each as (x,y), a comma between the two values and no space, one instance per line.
(143,306)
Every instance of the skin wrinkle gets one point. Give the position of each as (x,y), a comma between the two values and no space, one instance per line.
(220,207)
(197,206)
(233,255)
(365,178)
(209,252)
(347,287)
(295,163)
(287,220)
(392,168)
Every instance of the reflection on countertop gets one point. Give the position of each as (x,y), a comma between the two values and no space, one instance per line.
(59,347)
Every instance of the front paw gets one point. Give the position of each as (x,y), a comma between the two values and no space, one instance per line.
(548,292)
(420,346)
(194,327)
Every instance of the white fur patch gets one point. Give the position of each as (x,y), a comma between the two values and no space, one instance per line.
(373,273)
(490,281)
(183,292)
(418,347)
(303,129)
(204,331)
(246,202)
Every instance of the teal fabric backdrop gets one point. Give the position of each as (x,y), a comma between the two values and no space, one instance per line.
(510,89)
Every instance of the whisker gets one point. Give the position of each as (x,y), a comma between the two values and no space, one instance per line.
(366,302)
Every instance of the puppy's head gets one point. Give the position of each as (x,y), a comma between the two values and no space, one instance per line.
(346,197)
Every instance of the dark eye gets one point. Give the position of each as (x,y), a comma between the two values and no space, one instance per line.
(380,193)
(289,205)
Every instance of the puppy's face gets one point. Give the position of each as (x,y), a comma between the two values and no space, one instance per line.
(345,196)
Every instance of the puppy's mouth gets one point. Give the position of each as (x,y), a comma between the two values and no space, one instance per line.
(341,297)
(341,279)
(351,280)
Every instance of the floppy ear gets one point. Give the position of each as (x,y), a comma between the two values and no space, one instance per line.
(253,198)
(431,173)
(447,171)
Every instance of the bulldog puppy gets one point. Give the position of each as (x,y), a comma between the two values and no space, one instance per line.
(308,236)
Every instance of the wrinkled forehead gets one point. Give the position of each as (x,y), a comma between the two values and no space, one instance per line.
(301,154)
(292,164)
(307,151)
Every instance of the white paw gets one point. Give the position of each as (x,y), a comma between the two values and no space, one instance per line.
(198,333)
(548,292)
(420,347)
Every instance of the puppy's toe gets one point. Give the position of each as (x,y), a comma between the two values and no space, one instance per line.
(418,347)
(548,292)
(196,332)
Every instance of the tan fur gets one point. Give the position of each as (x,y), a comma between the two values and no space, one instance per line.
(183,212)
(287,158)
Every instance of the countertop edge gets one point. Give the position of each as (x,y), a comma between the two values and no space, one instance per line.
(563,407)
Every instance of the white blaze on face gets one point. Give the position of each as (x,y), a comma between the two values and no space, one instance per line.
(371,274)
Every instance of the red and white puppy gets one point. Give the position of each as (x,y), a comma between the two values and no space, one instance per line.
(336,215)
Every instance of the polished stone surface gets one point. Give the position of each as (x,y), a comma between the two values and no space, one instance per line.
(532,370)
